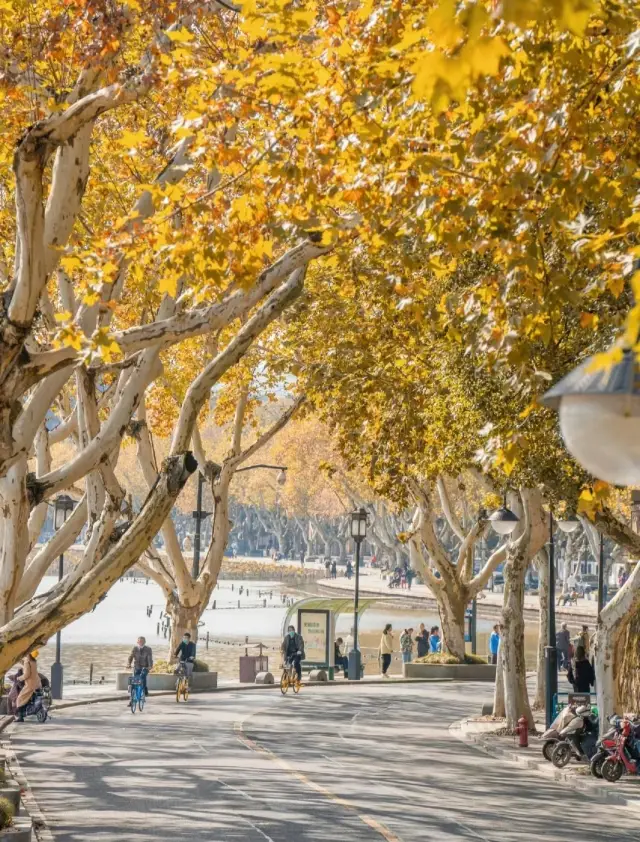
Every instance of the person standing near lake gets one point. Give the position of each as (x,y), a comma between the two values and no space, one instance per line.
(563,642)
(386,649)
(494,644)
(423,641)
(406,646)
(581,674)
(584,640)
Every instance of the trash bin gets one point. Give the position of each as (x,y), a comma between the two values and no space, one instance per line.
(250,666)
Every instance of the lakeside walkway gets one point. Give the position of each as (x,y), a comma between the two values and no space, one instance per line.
(371,584)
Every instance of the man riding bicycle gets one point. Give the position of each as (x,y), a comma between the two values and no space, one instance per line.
(142,659)
(186,654)
(293,650)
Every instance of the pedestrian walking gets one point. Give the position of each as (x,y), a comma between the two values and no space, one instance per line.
(435,643)
(584,640)
(494,644)
(563,642)
(334,570)
(406,646)
(386,649)
(423,641)
(581,674)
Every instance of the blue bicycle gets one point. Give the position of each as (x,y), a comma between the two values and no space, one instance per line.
(136,690)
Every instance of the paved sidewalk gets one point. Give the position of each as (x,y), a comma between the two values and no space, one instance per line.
(625,792)
(372,584)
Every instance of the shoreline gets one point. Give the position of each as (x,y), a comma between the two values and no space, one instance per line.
(489,608)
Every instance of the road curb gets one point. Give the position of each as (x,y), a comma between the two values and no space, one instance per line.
(123,695)
(41,829)
(598,790)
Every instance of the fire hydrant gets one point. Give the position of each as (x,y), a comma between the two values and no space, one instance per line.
(523,732)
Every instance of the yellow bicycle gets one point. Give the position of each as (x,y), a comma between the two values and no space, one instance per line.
(182,683)
(289,678)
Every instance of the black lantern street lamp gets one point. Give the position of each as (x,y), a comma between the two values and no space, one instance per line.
(62,506)
(358,533)
(503,520)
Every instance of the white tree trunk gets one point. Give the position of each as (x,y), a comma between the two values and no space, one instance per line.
(80,590)
(451,607)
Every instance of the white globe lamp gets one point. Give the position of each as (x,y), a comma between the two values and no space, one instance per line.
(600,418)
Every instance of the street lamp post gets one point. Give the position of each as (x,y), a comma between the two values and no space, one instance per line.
(281,479)
(358,533)
(198,515)
(601,577)
(568,524)
(62,505)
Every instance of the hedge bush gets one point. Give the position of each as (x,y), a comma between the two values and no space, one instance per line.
(164,667)
(446,658)
(6,813)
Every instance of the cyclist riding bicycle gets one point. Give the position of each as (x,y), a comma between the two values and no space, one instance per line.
(293,650)
(142,659)
(186,654)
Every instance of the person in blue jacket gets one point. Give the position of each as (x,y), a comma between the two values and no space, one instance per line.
(494,644)
(435,642)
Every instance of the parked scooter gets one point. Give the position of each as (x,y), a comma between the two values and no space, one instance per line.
(626,755)
(578,740)
(605,746)
(551,736)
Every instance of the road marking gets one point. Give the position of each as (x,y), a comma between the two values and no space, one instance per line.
(236,789)
(252,745)
(470,830)
(255,827)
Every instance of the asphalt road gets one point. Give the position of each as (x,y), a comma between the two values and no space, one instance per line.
(374,763)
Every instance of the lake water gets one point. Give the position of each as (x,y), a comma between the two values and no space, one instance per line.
(105,636)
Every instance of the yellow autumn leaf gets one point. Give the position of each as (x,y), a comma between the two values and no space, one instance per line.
(179,36)
(484,56)
(91,298)
(131,140)
(576,13)
(242,209)
(168,285)
(63,317)
(70,263)
(445,31)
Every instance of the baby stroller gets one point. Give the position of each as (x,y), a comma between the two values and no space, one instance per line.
(395,580)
